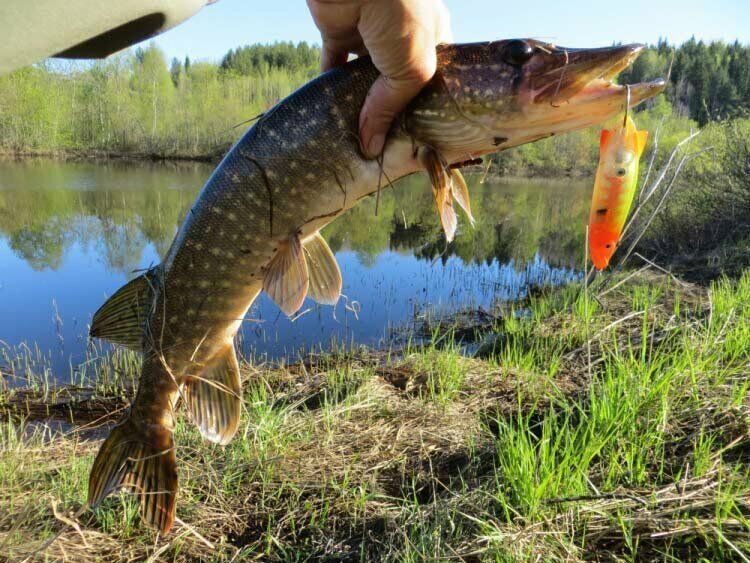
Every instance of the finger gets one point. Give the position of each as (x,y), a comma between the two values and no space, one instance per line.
(331,57)
(388,97)
(443,32)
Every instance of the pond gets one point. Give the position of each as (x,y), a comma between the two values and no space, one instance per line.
(71,233)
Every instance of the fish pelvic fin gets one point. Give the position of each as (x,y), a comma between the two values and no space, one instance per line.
(325,276)
(442,189)
(140,458)
(122,318)
(461,194)
(286,279)
(213,398)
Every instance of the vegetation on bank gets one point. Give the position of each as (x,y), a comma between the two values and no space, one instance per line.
(133,103)
(704,227)
(607,428)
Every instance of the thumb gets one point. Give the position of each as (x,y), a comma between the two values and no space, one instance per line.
(387,98)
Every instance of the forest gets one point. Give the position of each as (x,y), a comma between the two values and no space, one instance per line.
(138,103)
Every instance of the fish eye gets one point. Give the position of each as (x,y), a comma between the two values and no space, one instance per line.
(621,172)
(517,52)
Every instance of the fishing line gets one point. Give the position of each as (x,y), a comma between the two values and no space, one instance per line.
(627,106)
(559,82)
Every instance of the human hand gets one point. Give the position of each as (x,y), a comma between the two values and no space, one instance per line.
(400,36)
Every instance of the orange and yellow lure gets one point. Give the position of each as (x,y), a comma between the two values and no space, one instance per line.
(620,150)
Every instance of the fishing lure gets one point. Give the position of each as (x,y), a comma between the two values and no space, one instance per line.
(620,150)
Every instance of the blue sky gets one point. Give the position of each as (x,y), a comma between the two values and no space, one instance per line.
(573,23)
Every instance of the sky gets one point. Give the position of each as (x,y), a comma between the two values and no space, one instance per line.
(571,23)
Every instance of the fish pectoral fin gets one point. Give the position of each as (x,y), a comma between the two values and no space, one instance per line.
(213,397)
(324,273)
(604,137)
(442,190)
(122,318)
(142,461)
(286,279)
(461,194)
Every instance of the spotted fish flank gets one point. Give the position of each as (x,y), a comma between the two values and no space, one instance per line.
(256,226)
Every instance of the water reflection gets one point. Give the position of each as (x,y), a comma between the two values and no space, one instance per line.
(74,232)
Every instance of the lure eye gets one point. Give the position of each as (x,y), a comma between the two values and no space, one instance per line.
(517,52)
(621,172)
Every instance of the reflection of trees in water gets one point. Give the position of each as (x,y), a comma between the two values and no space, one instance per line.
(515,222)
(133,207)
(506,240)
(406,236)
(116,210)
(42,248)
(123,245)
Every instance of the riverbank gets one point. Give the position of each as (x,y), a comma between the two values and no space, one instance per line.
(600,423)
(494,172)
(92,155)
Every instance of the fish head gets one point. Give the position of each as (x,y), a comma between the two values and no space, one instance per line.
(487,97)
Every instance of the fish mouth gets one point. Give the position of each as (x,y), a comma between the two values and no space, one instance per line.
(578,76)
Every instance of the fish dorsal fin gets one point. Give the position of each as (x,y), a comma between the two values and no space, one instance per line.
(324,273)
(442,190)
(213,397)
(641,140)
(461,194)
(122,318)
(286,279)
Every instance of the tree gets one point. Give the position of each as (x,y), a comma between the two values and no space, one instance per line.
(175,70)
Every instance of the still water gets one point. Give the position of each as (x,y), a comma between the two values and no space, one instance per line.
(72,233)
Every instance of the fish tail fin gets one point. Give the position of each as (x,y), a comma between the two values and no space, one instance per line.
(143,461)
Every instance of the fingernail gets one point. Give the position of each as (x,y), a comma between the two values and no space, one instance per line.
(375,146)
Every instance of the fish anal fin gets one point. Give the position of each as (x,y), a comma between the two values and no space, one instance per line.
(122,318)
(213,397)
(286,278)
(323,270)
(441,188)
(461,193)
(140,458)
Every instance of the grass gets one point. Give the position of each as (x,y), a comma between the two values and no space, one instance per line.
(613,429)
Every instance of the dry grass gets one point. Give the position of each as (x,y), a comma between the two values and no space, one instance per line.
(638,449)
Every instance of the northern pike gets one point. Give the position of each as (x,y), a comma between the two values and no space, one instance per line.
(620,150)
(256,226)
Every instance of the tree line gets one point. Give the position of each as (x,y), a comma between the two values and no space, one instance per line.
(137,102)
(708,81)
